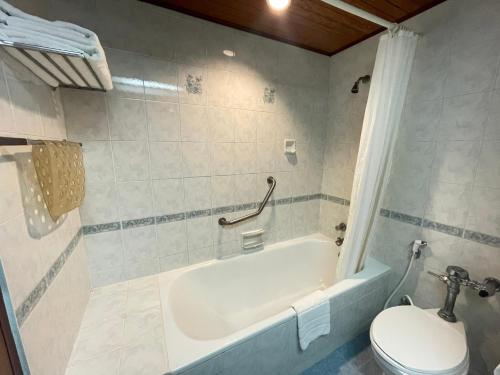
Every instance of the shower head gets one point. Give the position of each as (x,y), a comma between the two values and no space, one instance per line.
(363,79)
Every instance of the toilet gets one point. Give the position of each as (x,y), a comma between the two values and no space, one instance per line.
(407,340)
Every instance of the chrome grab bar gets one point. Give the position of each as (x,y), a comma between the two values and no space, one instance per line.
(272,184)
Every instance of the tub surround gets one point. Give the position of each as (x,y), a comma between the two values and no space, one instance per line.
(124,328)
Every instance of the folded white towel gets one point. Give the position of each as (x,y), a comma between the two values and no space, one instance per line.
(17,26)
(313,317)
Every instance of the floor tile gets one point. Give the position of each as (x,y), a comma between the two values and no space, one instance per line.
(143,325)
(107,364)
(149,358)
(95,341)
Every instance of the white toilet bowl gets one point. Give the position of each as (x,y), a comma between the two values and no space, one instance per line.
(407,340)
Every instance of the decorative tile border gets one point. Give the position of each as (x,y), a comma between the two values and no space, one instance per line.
(36,294)
(169,218)
(450,230)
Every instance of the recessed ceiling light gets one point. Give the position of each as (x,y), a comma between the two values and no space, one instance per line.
(229,53)
(278,4)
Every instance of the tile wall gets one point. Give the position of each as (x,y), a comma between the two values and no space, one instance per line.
(445,181)
(47,276)
(189,135)
(345,120)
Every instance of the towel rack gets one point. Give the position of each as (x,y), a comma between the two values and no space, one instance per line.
(54,66)
(272,184)
(11,141)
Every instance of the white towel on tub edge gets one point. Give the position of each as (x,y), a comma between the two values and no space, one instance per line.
(313,317)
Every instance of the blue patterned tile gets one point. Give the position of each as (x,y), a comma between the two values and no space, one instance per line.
(404,218)
(99,228)
(443,228)
(385,213)
(135,223)
(300,198)
(338,200)
(170,218)
(482,238)
(269,95)
(282,201)
(198,213)
(36,294)
(222,210)
(245,206)
(194,84)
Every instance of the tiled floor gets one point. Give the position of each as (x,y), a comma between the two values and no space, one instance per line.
(353,358)
(121,332)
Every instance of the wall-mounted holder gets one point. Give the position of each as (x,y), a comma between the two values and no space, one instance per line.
(290,146)
(252,240)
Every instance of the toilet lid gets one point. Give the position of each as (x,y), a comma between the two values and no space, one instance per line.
(419,340)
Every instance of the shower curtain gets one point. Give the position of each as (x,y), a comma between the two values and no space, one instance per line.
(386,98)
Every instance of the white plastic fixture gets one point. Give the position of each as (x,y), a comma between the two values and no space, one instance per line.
(278,4)
(290,146)
(229,52)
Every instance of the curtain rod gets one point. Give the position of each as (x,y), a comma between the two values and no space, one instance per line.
(361,13)
(12,141)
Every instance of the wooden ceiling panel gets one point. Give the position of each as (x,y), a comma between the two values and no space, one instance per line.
(310,24)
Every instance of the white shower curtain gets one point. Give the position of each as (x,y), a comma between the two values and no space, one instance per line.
(386,98)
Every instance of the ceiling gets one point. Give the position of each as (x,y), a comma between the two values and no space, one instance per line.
(310,24)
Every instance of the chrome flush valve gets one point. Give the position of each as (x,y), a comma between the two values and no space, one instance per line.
(455,277)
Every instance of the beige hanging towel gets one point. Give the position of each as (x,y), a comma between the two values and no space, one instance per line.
(60,172)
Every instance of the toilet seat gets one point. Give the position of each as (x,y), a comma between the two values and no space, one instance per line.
(416,341)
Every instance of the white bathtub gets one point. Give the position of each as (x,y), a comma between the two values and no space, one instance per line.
(212,306)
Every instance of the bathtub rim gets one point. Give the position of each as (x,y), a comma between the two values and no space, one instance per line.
(179,347)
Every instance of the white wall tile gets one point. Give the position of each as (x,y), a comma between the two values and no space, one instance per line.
(484,214)
(100,204)
(85,114)
(456,161)
(160,80)
(131,159)
(463,118)
(172,238)
(135,199)
(448,203)
(488,172)
(164,121)
(223,188)
(492,131)
(472,67)
(166,160)
(10,192)
(196,159)
(127,119)
(199,232)
(223,158)
(197,193)
(98,162)
(194,124)
(222,124)
(168,196)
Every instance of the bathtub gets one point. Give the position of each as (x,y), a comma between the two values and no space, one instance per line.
(212,307)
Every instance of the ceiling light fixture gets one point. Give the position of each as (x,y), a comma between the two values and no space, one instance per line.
(229,53)
(278,4)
